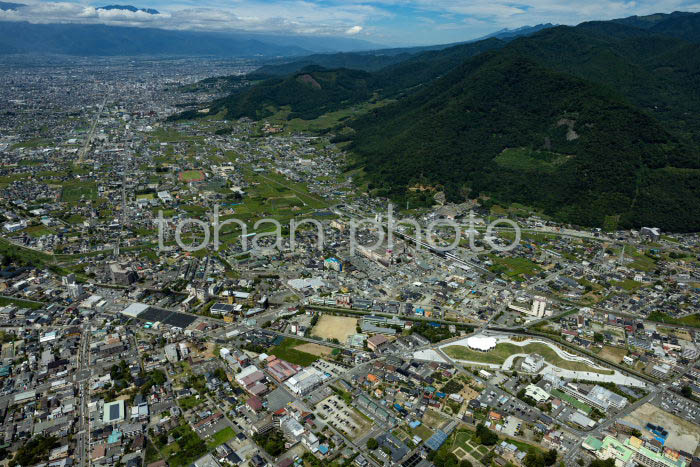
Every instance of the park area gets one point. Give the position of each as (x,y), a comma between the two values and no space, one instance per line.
(335,327)
(503,350)
(191,176)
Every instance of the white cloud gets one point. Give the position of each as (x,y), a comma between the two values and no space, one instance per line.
(282,16)
(394,21)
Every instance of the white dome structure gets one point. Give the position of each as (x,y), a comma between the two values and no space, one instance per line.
(481,343)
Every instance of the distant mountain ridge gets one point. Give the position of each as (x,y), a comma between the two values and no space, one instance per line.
(4,6)
(374,60)
(131,8)
(517,32)
(104,40)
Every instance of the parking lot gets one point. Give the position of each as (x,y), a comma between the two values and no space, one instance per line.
(680,407)
(333,410)
(500,400)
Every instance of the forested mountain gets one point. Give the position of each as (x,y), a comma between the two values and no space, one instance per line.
(309,93)
(374,60)
(677,24)
(586,122)
(315,90)
(594,123)
(352,60)
(506,126)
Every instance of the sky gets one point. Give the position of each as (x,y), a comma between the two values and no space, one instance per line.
(385,22)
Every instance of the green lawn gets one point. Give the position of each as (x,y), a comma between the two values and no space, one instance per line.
(188,402)
(191,175)
(20,303)
(503,350)
(690,320)
(77,191)
(628,284)
(220,437)
(514,267)
(38,230)
(423,432)
(286,351)
(461,440)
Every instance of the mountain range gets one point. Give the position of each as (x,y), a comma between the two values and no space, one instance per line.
(130,8)
(18,37)
(595,124)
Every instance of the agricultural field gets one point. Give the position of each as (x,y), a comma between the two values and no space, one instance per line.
(288,351)
(74,192)
(514,268)
(38,230)
(613,354)
(335,327)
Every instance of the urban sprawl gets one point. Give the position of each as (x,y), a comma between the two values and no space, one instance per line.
(577,347)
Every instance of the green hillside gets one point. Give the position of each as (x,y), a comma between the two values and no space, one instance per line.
(309,93)
(587,152)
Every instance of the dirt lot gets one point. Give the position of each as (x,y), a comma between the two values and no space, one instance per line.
(682,434)
(210,350)
(335,327)
(612,354)
(314,349)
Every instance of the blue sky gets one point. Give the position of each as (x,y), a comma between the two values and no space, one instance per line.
(387,22)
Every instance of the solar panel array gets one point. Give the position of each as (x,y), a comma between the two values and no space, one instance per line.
(171,318)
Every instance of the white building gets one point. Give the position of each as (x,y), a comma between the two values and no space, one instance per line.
(532,363)
(305,381)
(537,393)
(539,304)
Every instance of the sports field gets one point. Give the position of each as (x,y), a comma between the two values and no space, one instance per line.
(191,176)
(335,327)
(314,349)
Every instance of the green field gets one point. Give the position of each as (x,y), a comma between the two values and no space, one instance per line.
(188,402)
(77,191)
(514,267)
(628,284)
(423,432)
(286,351)
(504,349)
(461,440)
(689,320)
(328,120)
(572,401)
(220,437)
(38,230)
(20,303)
(191,175)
